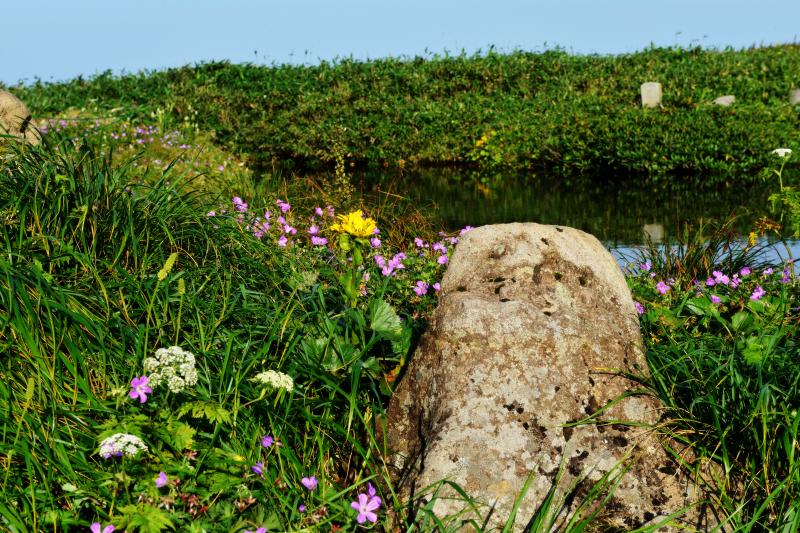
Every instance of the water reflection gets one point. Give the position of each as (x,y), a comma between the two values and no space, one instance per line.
(621,217)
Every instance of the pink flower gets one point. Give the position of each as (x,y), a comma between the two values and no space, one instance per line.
(267,441)
(366,507)
(421,288)
(95,528)
(662,287)
(710,282)
(319,241)
(745,271)
(258,468)
(715,299)
(313,229)
(375,242)
(646,266)
(439,247)
(283,205)
(437,286)
(757,293)
(259,530)
(639,308)
(282,241)
(318,211)
(442,259)
(465,230)
(419,243)
(309,483)
(161,480)
(719,277)
(139,389)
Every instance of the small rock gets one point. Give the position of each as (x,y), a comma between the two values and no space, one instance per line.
(724,101)
(651,94)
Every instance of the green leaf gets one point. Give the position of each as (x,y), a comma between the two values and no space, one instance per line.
(212,411)
(741,320)
(144,519)
(384,320)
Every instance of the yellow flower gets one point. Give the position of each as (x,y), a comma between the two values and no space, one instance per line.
(355,224)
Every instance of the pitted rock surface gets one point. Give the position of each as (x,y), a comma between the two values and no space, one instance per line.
(15,119)
(533,330)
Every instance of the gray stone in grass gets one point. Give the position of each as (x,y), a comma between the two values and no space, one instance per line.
(654,232)
(651,94)
(724,101)
(15,119)
(794,96)
(535,330)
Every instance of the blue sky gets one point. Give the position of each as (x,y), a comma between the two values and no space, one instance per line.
(61,39)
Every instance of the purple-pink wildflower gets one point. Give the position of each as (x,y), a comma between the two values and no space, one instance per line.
(466,229)
(283,205)
(301,508)
(645,267)
(258,530)
(419,243)
(787,277)
(375,242)
(309,483)
(639,307)
(140,389)
(161,480)
(437,286)
(662,287)
(282,241)
(318,211)
(366,507)
(267,441)
(711,282)
(258,468)
(745,271)
(96,527)
(439,247)
(757,293)
(442,259)
(421,288)
(720,278)
(313,229)
(319,241)
(714,298)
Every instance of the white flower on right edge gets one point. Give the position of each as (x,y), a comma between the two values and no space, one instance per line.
(782,152)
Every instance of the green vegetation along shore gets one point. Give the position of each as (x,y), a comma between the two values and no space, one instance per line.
(569,115)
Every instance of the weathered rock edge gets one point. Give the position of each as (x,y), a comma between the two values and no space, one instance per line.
(533,330)
(15,119)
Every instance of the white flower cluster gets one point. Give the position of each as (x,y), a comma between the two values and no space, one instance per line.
(120,444)
(173,366)
(276,380)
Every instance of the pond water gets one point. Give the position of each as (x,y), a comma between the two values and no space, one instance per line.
(620,217)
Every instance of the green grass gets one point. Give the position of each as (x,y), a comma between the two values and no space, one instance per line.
(577,116)
(109,253)
(723,359)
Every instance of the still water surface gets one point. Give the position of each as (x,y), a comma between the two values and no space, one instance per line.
(618,216)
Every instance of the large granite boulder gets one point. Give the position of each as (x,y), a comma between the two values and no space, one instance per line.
(533,332)
(15,119)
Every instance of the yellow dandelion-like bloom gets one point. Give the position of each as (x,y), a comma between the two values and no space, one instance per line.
(355,224)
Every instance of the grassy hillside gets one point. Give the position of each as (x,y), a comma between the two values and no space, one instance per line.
(574,115)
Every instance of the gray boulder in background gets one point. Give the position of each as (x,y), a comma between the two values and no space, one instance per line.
(534,326)
(15,119)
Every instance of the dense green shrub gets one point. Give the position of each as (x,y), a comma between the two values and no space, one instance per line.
(575,115)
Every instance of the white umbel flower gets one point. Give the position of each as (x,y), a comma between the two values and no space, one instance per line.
(121,444)
(276,380)
(782,152)
(172,366)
